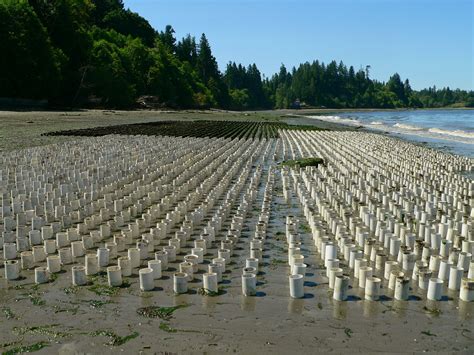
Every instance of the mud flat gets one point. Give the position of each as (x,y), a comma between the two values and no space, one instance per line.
(228,200)
(23,129)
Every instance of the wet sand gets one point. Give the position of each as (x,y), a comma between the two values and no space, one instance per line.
(23,129)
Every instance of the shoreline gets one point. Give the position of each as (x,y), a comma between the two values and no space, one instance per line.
(457,142)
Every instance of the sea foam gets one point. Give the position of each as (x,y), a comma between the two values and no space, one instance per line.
(457,133)
(337,119)
(407,127)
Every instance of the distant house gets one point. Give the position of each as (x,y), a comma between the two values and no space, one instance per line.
(296,104)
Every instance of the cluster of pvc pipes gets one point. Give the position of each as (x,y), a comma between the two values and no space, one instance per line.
(109,205)
(116,207)
(385,215)
(382,209)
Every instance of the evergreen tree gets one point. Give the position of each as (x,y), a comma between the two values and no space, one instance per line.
(167,38)
(208,71)
(186,50)
(206,62)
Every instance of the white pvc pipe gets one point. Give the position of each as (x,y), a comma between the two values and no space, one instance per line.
(424,277)
(114,276)
(200,243)
(298,269)
(119,240)
(255,253)
(27,260)
(77,249)
(297,259)
(103,256)
(341,285)
(435,261)
(330,263)
(155,265)
(395,244)
(408,261)
(146,279)
(199,252)
(209,282)
(291,252)
(330,253)
(224,254)
(39,254)
(249,285)
(187,268)
(470,274)
(372,288)
(455,276)
(444,267)
(163,257)
(464,260)
(364,272)
(134,255)
(180,282)
(445,248)
(252,262)
(467,289)
(435,289)
(389,266)
(65,255)
(79,275)
(171,250)
(333,272)
(214,268)
(112,247)
(9,251)
(353,255)
(393,276)
(92,264)
(12,269)
(61,240)
(125,265)
(41,275)
(53,263)
(358,263)
(380,261)
(49,246)
(256,244)
(142,247)
(221,262)
(296,286)
(402,286)
(193,259)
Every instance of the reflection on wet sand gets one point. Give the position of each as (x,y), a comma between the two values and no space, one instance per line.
(247,304)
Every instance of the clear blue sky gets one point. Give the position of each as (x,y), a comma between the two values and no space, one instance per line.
(428,41)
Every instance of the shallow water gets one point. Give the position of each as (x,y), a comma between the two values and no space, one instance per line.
(451,130)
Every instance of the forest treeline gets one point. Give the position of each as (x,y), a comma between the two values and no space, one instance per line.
(83,52)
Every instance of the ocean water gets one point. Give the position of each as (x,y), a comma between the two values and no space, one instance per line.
(450,130)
